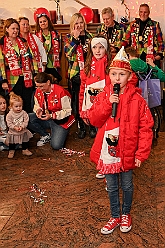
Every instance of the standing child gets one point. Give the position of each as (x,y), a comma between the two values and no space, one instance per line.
(138,65)
(17,121)
(94,77)
(123,142)
(3,126)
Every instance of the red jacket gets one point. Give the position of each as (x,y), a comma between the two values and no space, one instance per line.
(58,104)
(93,84)
(135,130)
(85,99)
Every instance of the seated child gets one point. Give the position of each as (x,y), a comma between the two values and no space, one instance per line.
(122,142)
(3,126)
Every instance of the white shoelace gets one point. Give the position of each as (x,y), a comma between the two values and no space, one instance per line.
(124,219)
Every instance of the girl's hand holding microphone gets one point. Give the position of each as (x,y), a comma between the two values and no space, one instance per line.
(114,98)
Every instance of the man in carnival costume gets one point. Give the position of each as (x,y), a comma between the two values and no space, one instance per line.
(111,29)
(145,35)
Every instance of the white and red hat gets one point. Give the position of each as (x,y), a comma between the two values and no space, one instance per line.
(121,61)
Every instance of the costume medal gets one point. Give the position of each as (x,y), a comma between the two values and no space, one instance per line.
(47,42)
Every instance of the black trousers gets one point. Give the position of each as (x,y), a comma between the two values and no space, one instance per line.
(25,93)
(74,88)
(20,90)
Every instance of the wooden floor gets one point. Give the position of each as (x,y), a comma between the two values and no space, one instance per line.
(54,200)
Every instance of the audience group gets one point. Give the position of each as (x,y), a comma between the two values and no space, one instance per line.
(24,54)
(32,100)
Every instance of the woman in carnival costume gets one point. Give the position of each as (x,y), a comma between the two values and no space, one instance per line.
(36,46)
(16,64)
(76,47)
(52,43)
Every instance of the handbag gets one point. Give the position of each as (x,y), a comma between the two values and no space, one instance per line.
(151,90)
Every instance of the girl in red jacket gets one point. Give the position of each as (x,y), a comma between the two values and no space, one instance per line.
(94,77)
(123,142)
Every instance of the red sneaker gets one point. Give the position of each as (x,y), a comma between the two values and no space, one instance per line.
(126,223)
(100,176)
(110,226)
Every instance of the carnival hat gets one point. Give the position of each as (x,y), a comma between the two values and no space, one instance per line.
(121,61)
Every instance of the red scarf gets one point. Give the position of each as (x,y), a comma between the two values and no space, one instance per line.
(95,82)
(55,45)
(56,49)
(98,68)
(13,60)
(133,41)
(150,47)
(34,48)
(80,57)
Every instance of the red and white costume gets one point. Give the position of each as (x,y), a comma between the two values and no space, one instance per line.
(59,104)
(93,84)
(131,129)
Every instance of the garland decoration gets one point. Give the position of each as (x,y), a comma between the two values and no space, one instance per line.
(127,12)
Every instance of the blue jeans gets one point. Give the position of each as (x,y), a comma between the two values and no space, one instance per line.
(4,146)
(113,182)
(58,133)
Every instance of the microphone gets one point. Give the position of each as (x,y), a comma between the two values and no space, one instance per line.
(116,89)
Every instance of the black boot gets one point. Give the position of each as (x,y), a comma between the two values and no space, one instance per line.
(92,131)
(81,129)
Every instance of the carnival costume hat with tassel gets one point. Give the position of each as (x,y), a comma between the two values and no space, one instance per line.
(121,61)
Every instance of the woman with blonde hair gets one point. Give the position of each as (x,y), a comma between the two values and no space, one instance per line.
(76,47)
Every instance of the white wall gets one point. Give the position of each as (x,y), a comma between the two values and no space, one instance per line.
(10,8)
